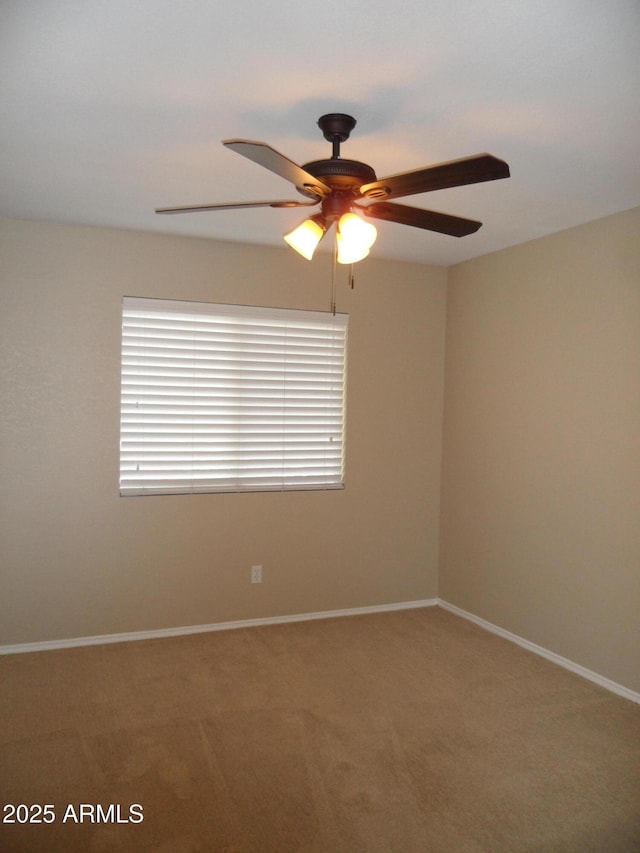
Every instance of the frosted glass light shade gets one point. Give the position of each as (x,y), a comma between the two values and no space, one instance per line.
(305,237)
(354,239)
(348,253)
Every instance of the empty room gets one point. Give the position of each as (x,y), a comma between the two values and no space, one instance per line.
(319,529)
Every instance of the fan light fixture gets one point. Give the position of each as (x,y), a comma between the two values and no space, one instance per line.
(353,240)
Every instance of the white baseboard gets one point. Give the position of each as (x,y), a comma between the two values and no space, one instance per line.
(613,686)
(160,633)
(215,626)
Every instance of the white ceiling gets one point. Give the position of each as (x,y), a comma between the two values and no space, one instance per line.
(108,110)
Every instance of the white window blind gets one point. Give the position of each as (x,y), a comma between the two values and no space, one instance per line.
(227,398)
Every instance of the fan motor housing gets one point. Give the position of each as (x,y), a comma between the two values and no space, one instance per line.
(341,175)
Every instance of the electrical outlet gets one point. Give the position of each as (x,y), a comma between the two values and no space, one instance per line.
(256,574)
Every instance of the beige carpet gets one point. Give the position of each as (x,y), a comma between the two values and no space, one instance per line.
(396,732)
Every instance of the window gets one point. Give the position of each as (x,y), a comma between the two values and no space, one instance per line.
(228,398)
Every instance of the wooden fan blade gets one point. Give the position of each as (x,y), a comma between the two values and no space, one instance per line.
(231,205)
(265,155)
(455,173)
(430,220)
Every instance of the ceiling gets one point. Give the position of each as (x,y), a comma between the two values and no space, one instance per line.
(109,110)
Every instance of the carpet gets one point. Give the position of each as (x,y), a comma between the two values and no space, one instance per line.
(402,731)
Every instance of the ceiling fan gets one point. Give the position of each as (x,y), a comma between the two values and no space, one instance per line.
(348,190)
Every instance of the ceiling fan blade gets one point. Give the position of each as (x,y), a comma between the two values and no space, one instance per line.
(265,155)
(455,173)
(231,205)
(430,220)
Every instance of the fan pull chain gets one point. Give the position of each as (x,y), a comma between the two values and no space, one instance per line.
(333,278)
(352,280)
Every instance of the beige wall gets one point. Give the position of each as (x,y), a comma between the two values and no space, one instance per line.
(78,560)
(540,530)
(541,463)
